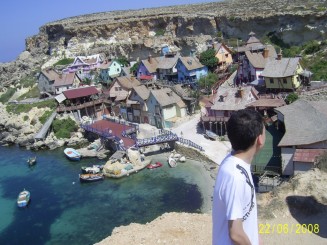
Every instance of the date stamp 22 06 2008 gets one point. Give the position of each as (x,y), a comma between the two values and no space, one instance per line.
(288,228)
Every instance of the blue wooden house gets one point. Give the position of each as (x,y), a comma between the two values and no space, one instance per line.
(190,68)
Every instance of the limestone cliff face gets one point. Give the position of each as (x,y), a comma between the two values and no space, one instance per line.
(138,33)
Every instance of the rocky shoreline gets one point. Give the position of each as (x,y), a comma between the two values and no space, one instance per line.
(20,129)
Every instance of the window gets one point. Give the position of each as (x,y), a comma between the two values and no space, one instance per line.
(284,80)
(271,80)
(226,55)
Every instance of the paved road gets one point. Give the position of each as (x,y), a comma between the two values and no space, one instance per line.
(215,150)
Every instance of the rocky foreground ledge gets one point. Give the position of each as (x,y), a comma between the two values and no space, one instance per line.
(170,228)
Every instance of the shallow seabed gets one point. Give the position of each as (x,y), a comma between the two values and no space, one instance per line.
(64,211)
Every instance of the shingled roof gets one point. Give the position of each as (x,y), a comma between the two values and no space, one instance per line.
(50,74)
(191,63)
(80,92)
(151,64)
(320,106)
(258,60)
(163,62)
(91,59)
(64,79)
(268,103)
(227,99)
(285,67)
(127,82)
(252,43)
(105,65)
(166,96)
(142,91)
(167,62)
(304,124)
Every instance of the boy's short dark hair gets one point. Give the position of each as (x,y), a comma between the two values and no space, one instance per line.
(243,127)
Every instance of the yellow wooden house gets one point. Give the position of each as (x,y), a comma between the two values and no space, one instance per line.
(283,74)
(224,55)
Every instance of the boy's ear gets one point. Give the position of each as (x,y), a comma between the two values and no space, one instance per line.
(261,140)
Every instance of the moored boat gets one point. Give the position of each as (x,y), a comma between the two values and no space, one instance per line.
(98,166)
(211,135)
(31,161)
(72,154)
(172,162)
(90,177)
(154,165)
(23,198)
(91,170)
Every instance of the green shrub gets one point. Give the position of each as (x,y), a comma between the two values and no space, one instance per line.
(7,95)
(28,81)
(65,61)
(317,65)
(291,98)
(277,40)
(134,68)
(19,108)
(32,93)
(311,47)
(25,118)
(160,32)
(45,116)
(122,60)
(208,81)
(292,51)
(322,162)
(63,128)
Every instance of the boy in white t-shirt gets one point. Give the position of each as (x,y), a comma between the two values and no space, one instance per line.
(234,212)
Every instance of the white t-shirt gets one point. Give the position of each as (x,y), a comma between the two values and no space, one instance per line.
(234,198)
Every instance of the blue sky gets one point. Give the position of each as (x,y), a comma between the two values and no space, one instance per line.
(21,19)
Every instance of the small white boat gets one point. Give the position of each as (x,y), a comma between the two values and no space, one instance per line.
(90,177)
(90,170)
(72,154)
(31,161)
(172,162)
(23,198)
(211,135)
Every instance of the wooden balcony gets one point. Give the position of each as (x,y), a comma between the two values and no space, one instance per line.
(214,119)
(63,108)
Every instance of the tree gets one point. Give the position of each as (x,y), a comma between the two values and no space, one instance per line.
(208,81)
(123,61)
(209,59)
(291,98)
(134,68)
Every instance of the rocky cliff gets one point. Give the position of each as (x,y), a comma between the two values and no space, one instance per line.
(138,33)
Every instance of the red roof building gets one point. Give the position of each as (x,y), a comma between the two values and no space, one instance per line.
(307,155)
(80,92)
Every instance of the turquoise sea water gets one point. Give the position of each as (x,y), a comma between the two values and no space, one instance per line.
(64,211)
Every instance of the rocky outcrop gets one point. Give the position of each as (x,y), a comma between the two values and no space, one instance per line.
(170,228)
(138,33)
(20,129)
